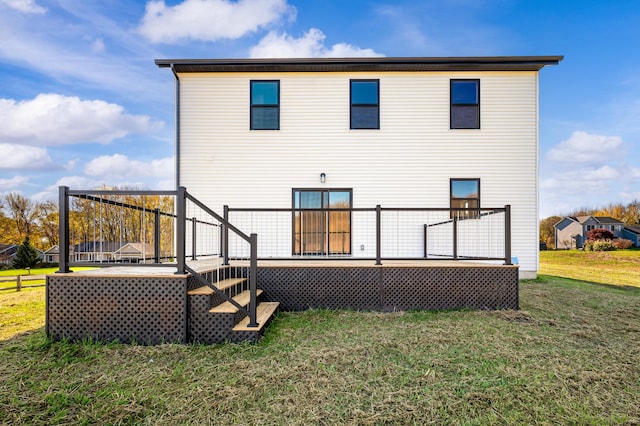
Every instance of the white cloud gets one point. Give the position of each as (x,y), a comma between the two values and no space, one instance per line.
(210,20)
(73,182)
(583,147)
(118,165)
(97,46)
(568,190)
(55,120)
(26,6)
(24,157)
(310,45)
(14,183)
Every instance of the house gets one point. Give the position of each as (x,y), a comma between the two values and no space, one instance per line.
(357,133)
(632,233)
(379,184)
(103,252)
(52,254)
(112,252)
(572,231)
(8,253)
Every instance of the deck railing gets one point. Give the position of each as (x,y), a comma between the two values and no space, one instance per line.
(377,233)
(154,228)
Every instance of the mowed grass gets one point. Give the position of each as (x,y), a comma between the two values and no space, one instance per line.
(619,267)
(21,312)
(27,275)
(569,356)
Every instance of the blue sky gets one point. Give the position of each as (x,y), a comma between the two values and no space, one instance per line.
(82,103)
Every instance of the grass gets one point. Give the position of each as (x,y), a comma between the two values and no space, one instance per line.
(26,275)
(21,312)
(569,356)
(619,267)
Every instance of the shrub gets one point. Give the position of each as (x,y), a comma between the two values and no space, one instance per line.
(622,244)
(26,256)
(599,245)
(600,234)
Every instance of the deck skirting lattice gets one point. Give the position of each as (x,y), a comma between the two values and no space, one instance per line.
(147,310)
(390,288)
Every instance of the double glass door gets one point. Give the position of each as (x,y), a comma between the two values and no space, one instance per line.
(320,225)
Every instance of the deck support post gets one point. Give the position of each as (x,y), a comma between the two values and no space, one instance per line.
(378,235)
(181,207)
(63,230)
(507,234)
(156,235)
(253,282)
(225,236)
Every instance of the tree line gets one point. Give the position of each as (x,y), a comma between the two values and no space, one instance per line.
(109,220)
(627,213)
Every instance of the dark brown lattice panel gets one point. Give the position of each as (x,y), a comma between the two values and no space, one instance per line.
(324,287)
(210,328)
(449,288)
(390,288)
(146,310)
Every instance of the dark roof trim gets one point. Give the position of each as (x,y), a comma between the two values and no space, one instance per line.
(495,63)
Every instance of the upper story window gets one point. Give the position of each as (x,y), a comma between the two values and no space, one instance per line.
(365,104)
(465,104)
(465,194)
(265,105)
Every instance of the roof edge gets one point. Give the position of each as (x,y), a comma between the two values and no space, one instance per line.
(506,63)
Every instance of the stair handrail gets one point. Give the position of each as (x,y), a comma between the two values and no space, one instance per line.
(252,239)
(216,290)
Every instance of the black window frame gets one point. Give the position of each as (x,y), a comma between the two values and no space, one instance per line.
(456,106)
(352,105)
(253,106)
(328,209)
(471,212)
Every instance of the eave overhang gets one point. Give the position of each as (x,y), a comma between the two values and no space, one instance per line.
(383,64)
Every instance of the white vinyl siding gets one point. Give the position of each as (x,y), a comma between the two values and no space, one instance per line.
(408,162)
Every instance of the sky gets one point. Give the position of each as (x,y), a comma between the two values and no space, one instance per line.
(82,103)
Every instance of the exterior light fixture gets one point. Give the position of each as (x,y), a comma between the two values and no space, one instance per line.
(323,178)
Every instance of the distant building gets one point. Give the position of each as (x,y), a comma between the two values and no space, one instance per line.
(8,253)
(572,231)
(103,252)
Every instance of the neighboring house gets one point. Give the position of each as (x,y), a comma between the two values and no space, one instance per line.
(351,133)
(52,255)
(632,233)
(111,252)
(572,231)
(8,253)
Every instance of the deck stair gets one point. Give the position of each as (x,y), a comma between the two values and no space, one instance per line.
(212,319)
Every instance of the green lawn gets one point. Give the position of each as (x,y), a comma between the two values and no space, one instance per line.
(26,275)
(569,356)
(619,267)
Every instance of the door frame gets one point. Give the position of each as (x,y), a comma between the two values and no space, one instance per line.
(326,230)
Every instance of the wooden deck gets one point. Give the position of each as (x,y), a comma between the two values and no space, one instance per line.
(208,265)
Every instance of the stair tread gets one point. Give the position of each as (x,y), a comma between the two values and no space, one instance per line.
(229,282)
(264,311)
(227,308)
(221,285)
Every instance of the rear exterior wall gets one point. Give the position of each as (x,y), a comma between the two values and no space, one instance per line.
(408,162)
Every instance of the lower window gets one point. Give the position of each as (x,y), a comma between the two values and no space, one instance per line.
(320,225)
(465,198)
